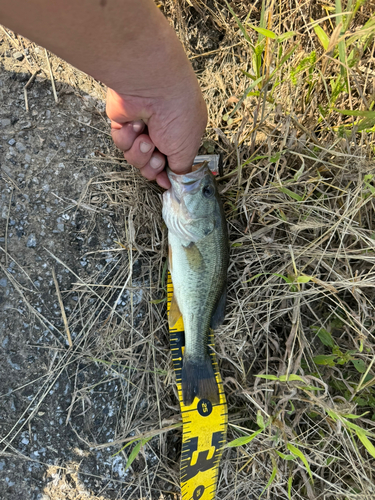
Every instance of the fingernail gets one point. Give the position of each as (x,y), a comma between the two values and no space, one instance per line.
(138,126)
(155,162)
(145,147)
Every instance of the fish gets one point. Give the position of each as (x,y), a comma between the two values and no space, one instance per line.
(198,255)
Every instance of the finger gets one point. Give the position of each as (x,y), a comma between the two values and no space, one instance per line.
(153,168)
(124,135)
(182,163)
(139,154)
(162,180)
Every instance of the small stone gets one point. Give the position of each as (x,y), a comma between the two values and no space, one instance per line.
(21,147)
(23,77)
(11,142)
(5,122)
(3,282)
(31,241)
(24,125)
(27,158)
(25,441)
(60,227)
(18,55)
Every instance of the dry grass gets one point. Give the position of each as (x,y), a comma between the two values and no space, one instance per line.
(299,198)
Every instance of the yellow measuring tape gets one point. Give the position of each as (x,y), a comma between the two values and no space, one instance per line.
(204,425)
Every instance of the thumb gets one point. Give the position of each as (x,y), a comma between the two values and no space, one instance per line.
(181,163)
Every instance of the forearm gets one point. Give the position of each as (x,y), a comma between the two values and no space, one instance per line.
(126,44)
(129,46)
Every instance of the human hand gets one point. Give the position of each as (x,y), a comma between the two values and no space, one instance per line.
(165,126)
(156,103)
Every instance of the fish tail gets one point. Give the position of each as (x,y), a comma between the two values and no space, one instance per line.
(198,380)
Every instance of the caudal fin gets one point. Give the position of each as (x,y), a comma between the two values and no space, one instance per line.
(198,379)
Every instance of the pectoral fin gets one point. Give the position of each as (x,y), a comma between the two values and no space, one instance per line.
(174,313)
(170,257)
(218,315)
(194,256)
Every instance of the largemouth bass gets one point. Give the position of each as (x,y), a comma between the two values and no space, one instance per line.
(198,262)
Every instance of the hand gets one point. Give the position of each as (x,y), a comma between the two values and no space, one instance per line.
(153,130)
(156,107)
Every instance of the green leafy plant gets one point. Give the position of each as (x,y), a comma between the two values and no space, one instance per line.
(337,357)
(262,54)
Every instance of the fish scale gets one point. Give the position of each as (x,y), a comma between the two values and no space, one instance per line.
(187,282)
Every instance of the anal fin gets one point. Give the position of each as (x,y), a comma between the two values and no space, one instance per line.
(174,312)
(218,315)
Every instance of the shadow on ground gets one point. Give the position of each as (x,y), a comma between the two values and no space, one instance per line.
(54,403)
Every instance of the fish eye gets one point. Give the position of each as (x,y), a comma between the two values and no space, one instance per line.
(208,190)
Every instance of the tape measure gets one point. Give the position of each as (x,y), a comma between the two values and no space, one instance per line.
(204,425)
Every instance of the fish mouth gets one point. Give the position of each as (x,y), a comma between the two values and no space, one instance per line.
(191,177)
(187,183)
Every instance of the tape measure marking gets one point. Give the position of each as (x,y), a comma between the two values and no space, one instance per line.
(204,425)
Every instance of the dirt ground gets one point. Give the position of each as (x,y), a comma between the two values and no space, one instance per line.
(55,402)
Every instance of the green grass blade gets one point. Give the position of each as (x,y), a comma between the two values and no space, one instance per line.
(283,378)
(240,25)
(241,441)
(290,481)
(350,112)
(135,451)
(285,457)
(365,124)
(245,94)
(133,455)
(366,442)
(265,32)
(270,481)
(298,453)
(290,193)
(268,377)
(286,36)
(341,43)
(262,21)
(324,336)
(322,35)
